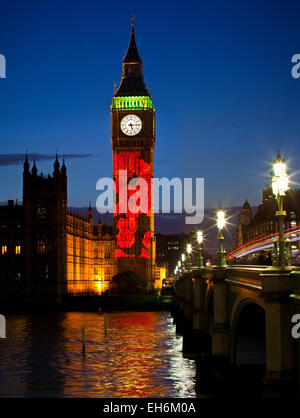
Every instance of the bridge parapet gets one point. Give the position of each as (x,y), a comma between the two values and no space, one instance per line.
(245,276)
(277,282)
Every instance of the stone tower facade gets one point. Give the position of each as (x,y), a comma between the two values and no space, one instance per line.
(133,139)
(245,217)
(45,219)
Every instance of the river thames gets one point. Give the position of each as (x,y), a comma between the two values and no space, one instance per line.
(140,357)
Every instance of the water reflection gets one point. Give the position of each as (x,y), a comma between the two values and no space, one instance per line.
(141,356)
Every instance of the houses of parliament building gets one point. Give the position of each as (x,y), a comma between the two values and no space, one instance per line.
(46,251)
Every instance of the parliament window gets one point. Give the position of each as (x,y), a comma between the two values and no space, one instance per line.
(42,212)
(18,249)
(4,249)
(42,247)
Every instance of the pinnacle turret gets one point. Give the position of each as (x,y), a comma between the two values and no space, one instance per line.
(34,169)
(26,164)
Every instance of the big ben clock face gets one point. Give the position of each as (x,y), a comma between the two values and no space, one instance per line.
(131,125)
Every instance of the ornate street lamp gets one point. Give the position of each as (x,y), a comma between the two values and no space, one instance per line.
(200,239)
(183,261)
(189,250)
(280,184)
(221,221)
(176,272)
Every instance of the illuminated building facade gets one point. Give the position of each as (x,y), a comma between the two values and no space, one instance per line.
(90,255)
(133,139)
(255,232)
(46,251)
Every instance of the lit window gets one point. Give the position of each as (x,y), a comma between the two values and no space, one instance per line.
(42,247)
(4,249)
(18,249)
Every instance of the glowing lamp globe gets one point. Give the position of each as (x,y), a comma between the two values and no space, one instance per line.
(221,219)
(280,185)
(279,168)
(280,180)
(199,237)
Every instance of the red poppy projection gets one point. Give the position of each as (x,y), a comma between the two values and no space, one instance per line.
(131,224)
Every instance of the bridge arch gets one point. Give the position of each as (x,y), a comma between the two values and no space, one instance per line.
(248,334)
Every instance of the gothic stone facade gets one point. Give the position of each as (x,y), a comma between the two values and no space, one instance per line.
(264,223)
(46,251)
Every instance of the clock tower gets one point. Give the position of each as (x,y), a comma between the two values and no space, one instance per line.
(133,139)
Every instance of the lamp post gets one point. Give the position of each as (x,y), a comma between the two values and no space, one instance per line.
(280,184)
(179,266)
(183,261)
(176,272)
(200,239)
(189,250)
(220,225)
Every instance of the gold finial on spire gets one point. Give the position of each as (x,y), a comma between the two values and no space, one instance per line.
(132,21)
(115,87)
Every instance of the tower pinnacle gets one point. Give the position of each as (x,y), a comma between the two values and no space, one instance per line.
(132,83)
(132,55)
(132,22)
(26,164)
(34,169)
(64,168)
(90,212)
(56,166)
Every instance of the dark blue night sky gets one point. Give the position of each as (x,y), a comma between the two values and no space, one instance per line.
(219,72)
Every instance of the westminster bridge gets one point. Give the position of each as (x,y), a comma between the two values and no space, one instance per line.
(227,310)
